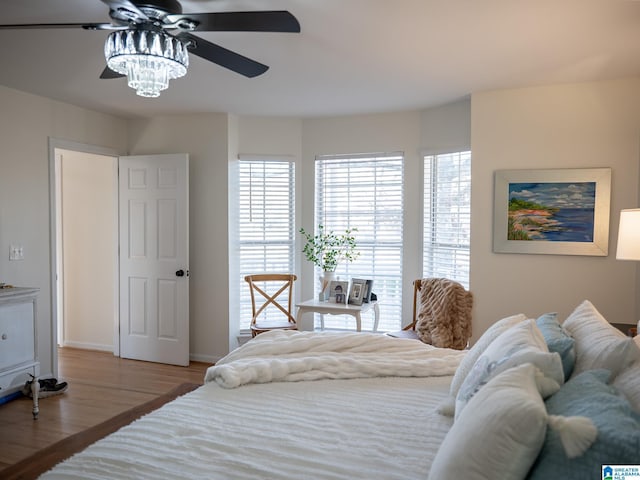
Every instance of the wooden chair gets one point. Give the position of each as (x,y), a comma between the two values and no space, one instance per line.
(441,313)
(262,319)
(409,331)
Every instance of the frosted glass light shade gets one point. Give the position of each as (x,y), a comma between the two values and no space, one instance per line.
(148,58)
(629,235)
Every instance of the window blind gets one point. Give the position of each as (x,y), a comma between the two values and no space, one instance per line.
(365,192)
(266,237)
(447,216)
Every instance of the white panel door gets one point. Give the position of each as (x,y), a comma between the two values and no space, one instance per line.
(154,258)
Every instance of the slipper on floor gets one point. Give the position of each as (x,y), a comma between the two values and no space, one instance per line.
(48,388)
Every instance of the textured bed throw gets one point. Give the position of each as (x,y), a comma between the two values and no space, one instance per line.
(291,356)
(444,313)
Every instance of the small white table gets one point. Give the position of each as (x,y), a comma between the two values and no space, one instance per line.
(339,309)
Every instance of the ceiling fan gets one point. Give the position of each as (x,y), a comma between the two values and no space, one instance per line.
(150,40)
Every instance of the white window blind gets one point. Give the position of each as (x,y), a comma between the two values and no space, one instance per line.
(365,192)
(447,216)
(266,223)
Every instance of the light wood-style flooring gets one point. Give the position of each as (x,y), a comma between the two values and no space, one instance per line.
(100,387)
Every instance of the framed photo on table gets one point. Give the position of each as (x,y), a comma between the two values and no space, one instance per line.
(338,291)
(357,291)
(366,293)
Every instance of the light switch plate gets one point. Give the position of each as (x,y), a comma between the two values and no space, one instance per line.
(16,252)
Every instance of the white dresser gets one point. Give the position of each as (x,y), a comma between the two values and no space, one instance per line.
(18,340)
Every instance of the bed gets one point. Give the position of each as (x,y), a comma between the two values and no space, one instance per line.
(326,405)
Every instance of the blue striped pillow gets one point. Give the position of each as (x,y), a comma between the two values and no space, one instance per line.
(558,340)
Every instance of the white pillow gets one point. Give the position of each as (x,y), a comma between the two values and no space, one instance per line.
(501,432)
(628,382)
(447,407)
(598,343)
(519,344)
(479,347)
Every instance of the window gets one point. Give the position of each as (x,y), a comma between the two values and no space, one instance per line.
(265,223)
(366,192)
(447,216)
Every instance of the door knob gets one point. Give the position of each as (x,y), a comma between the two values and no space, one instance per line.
(180,273)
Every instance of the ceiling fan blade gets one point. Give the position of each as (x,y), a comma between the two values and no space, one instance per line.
(107,73)
(223,57)
(86,26)
(263,21)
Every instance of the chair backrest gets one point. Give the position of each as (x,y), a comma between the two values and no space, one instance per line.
(417,284)
(442,312)
(270,286)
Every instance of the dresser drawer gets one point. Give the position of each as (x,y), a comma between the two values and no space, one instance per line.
(17,334)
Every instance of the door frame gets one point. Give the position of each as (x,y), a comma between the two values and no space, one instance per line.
(53,145)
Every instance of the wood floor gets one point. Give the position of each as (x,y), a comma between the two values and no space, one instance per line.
(100,387)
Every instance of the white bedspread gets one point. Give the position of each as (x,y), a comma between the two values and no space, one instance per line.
(370,428)
(295,356)
(384,426)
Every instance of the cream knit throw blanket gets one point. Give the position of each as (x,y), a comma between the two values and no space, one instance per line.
(444,313)
(294,356)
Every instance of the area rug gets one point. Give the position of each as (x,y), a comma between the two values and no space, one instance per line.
(45,459)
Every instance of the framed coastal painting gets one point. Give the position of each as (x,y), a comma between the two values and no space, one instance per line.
(554,211)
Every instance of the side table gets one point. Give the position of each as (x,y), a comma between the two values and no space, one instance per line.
(340,309)
(628,329)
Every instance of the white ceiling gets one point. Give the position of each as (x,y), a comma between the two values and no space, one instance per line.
(352,56)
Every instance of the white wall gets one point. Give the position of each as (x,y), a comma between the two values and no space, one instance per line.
(270,136)
(214,141)
(205,138)
(89,233)
(414,133)
(232,230)
(572,125)
(390,132)
(26,123)
(447,127)
(583,125)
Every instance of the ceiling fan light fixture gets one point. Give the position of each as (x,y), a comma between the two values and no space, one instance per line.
(149,58)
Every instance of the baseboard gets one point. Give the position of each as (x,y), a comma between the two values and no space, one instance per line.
(89,346)
(196,357)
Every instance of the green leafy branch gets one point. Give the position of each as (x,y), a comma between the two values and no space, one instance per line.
(327,249)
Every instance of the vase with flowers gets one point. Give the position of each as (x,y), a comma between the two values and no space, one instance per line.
(326,249)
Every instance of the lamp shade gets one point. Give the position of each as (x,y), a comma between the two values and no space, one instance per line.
(629,235)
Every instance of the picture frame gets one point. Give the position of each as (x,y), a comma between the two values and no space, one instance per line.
(338,290)
(366,296)
(552,211)
(367,292)
(357,291)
